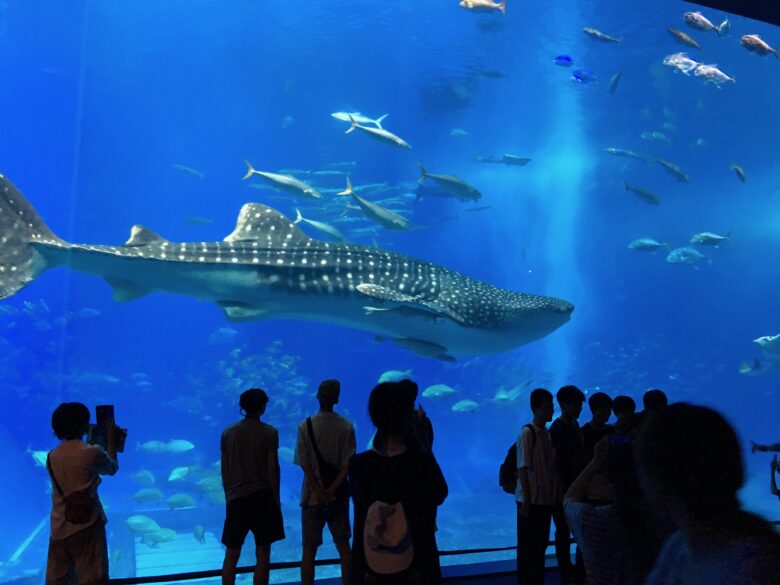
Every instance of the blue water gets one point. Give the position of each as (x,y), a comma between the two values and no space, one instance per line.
(101,99)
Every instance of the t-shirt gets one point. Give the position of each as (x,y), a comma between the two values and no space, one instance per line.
(246,447)
(535,453)
(598,536)
(567,442)
(591,436)
(335,438)
(600,488)
(754,560)
(77,466)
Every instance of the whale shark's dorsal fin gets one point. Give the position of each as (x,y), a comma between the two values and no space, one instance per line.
(260,223)
(141,236)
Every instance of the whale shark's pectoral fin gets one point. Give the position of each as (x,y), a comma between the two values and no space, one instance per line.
(236,311)
(125,290)
(386,294)
(141,236)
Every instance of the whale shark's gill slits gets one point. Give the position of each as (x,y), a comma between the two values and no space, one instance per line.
(20,227)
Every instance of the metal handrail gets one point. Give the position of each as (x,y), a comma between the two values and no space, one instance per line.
(277,566)
(296,564)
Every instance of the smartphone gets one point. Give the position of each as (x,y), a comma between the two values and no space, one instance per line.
(103,414)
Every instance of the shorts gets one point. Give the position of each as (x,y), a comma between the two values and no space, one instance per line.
(83,555)
(314,518)
(258,512)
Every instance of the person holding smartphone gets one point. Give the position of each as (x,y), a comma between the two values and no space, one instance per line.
(77,544)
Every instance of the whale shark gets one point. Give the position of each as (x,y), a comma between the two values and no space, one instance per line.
(268,268)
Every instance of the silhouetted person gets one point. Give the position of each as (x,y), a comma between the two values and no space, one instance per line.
(326,441)
(619,541)
(624,409)
(396,491)
(537,490)
(77,546)
(599,489)
(567,442)
(653,401)
(420,432)
(250,477)
(690,467)
(772,480)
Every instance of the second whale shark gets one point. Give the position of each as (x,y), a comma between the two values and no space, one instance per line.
(268,268)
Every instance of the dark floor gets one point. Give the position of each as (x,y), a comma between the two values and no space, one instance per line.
(551,578)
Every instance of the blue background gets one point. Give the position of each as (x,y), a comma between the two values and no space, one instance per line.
(100,99)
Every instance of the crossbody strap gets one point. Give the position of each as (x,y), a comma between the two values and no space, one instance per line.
(51,474)
(320,459)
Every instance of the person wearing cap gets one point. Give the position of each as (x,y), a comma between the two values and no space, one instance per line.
(325,443)
(250,478)
(396,490)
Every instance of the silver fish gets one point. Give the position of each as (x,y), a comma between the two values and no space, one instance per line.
(286,183)
(379,134)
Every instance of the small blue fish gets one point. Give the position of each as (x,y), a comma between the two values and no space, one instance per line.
(583,76)
(563,61)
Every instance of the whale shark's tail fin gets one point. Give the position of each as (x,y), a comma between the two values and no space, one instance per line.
(20,227)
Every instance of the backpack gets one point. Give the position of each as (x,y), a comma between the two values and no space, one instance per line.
(387,540)
(507,472)
(79,506)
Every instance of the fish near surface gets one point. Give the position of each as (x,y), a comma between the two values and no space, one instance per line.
(681,62)
(451,184)
(394,376)
(465,406)
(684,38)
(438,391)
(286,183)
(739,170)
(359,118)
(379,134)
(644,194)
(709,239)
(599,36)
(614,82)
(769,343)
(698,21)
(377,213)
(712,74)
(583,76)
(622,152)
(507,159)
(685,255)
(673,170)
(646,245)
(755,44)
(323,227)
(484,5)
(267,268)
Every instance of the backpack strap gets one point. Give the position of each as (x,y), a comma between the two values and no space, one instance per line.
(51,474)
(533,435)
(320,459)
